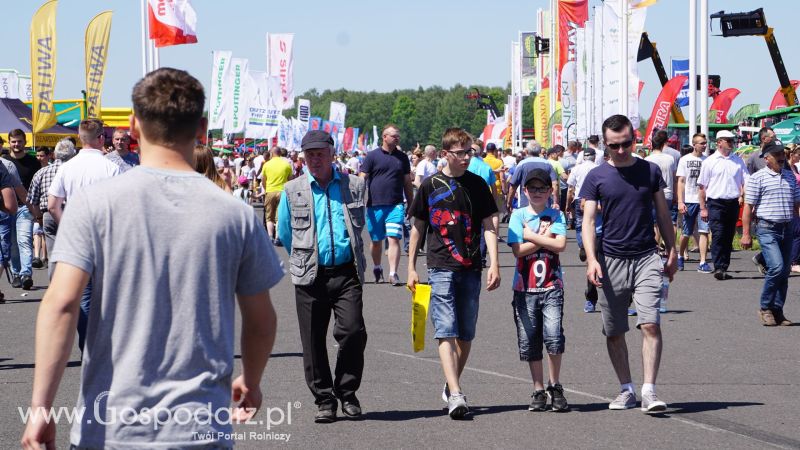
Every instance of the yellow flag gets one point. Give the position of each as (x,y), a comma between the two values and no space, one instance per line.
(97,33)
(420,300)
(541,115)
(43,65)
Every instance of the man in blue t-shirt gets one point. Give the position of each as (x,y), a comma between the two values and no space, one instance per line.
(533,161)
(388,173)
(627,267)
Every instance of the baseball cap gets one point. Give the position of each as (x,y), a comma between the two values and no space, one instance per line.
(589,151)
(772,147)
(538,174)
(316,139)
(725,134)
(242,179)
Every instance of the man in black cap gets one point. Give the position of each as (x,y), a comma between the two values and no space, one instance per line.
(320,219)
(775,196)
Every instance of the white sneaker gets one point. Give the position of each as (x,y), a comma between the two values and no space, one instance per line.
(651,403)
(625,400)
(457,406)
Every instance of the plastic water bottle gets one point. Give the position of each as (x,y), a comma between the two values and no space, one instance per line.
(664,289)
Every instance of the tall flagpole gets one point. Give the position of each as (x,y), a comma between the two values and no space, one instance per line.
(704,67)
(623,85)
(143,4)
(692,68)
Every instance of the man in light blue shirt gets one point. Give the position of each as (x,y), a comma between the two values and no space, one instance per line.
(533,161)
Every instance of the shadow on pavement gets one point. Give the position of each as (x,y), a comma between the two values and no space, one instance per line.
(696,407)
(31,366)
(589,407)
(278,355)
(398,416)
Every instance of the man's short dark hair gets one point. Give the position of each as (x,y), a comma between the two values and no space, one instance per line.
(16,133)
(168,103)
(594,139)
(659,139)
(763,132)
(617,123)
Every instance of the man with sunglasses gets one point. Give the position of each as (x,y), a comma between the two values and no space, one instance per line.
(627,266)
(721,192)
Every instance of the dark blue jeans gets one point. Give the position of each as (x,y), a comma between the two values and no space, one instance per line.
(776,246)
(722,217)
(83,318)
(796,241)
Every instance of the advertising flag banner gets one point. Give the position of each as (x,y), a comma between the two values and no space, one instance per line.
(681,67)
(597,67)
(303,110)
(220,90)
(611,59)
(9,83)
(374,136)
(356,137)
(569,101)
(327,126)
(315,123)
(541,114)
(663,107)
(280,63)
(262,118)
(299,129)
(581,85)
(572,14)
(43,65)
(172,22)
(97,34)
(347,141)
(237,114)
(338,112)
(722,104)
(25,88)
(528,66)
(285,133)
(778,100)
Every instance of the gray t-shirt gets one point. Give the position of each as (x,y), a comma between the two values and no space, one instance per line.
(167,250)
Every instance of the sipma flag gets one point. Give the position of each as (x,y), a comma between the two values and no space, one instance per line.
(172,22)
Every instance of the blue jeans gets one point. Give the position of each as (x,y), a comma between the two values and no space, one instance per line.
(598,222)
(454,303)
(796,241)
(538,317)
(83,318)
(776,246)
(6,224)
(21,242)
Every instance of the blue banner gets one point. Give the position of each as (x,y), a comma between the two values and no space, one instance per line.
(681,67)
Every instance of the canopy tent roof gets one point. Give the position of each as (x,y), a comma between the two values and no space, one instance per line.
(15,114)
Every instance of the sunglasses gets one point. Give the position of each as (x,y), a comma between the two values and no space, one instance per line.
(624,144)
(537,190)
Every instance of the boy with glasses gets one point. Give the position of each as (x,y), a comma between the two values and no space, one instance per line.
(450,207)
(537,234)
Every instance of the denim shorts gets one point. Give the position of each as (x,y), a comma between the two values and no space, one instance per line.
(454,303)
(539,316)
(385,221)
(691,218)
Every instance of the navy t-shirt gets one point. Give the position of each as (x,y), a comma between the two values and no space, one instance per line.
(386,176)
(626,194)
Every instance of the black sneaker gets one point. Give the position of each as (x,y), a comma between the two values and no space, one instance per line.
(557,401)
(582,254)
(351,407)
(378,272)
(37,263)
(16,282)
(27,283)
(538,401)
(719,274)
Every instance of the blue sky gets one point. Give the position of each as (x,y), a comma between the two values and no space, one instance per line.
(382,46)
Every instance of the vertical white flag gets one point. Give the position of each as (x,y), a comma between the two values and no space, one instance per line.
(611,58)
(338,112)
(220,92)
(280,63)
(597,82)
(9,83)
(303,110)
(582,117)
(237,114)
(25,88)
(261,116)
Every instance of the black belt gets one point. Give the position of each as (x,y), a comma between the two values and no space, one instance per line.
(331,270)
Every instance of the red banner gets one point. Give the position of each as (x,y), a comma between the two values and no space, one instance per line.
(347,141)
(778,100)
(572,14)
(723,104)
(661,110)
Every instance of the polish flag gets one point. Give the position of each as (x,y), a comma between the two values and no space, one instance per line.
(172,22)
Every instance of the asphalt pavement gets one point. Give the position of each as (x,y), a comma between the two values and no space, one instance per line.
(729,382)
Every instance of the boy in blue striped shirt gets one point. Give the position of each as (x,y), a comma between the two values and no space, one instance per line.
(775,196)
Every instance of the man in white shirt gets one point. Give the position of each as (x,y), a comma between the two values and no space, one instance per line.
(426,167)
(668,166)
(688,203)
(720,194)
(87,167)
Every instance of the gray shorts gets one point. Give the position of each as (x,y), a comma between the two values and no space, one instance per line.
(626,279)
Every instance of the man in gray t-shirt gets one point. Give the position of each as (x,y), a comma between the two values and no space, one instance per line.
(158,362)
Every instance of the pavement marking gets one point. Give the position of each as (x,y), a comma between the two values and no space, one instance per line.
(708,422)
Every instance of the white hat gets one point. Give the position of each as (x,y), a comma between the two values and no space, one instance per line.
(725,134)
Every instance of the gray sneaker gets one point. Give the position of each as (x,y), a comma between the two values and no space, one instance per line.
(625,400)
(651,403)
(457,406)
(394,279)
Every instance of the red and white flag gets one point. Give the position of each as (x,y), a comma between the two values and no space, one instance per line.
(172,22)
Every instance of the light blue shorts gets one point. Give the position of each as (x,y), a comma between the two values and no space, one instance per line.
(385,221)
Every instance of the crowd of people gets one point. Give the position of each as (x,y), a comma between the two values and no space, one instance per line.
(116,283)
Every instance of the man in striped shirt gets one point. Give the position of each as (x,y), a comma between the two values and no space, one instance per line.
(774,194)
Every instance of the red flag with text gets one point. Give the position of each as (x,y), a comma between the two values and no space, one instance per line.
(722,104)
(172,22)
(572,14)
(661,110)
